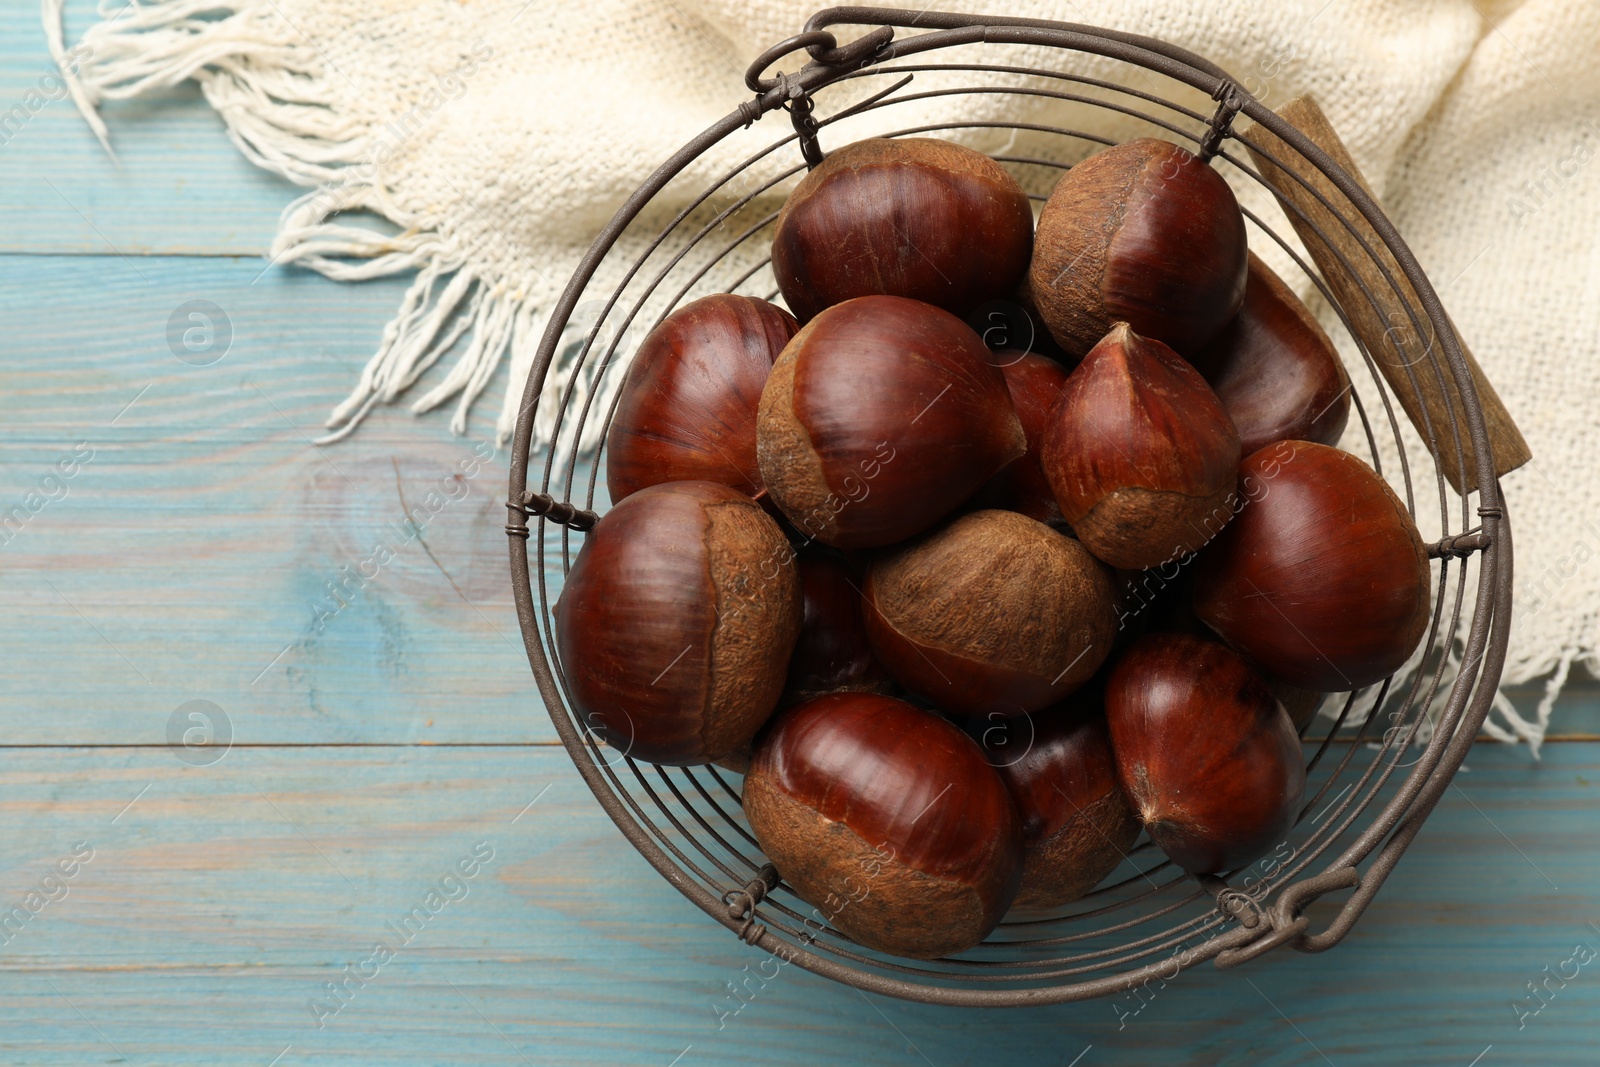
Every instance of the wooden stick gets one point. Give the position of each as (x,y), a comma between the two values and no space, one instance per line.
(1381,323)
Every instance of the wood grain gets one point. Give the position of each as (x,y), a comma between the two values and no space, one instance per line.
(176,186)
(218,904)
(196,546)
(1403,353)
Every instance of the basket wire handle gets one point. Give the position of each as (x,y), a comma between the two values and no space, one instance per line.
(824,49)
(792,95)
(1283,921)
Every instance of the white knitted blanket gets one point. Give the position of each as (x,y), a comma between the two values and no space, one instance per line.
(497,137)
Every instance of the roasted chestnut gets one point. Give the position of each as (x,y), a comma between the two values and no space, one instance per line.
(688,407)
(1035,385)
(1321,579)
(881,416)
(1076,822)
(676,621)
(1207,756)
(911,217)
(1140,454)
(1142,233)
(832,654)
(1275,371)
(994,612)
(888,820)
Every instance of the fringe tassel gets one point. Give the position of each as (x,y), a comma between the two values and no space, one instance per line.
(525,335)
(278,102)
(1510,727)
(1547,703)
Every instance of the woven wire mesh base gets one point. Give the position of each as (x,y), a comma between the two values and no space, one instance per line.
(1371,783)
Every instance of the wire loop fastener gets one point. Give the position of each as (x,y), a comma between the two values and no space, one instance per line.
(799,107)
(1232,903)
(1459,546)
(561,512)
(1230,98)
(742,903)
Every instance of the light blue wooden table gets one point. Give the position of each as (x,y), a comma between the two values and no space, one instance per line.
(208,905)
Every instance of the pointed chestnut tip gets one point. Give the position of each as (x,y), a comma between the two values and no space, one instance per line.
(1119,342)
(1123,342)
(1121,336)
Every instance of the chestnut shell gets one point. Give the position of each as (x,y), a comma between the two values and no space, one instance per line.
(675,623)
(1140,454)
(1077,825)
(889,820)
(1143,233)
(688,408)
(994,612)
(832,653)
(1035,384)
(1207,756)
(881,416)
(1321,579)
(1301,704)
(909,216)
(1275,371)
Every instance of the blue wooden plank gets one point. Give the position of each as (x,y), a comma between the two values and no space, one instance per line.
(219,902)
(1576,712)
(178,184)
(189,553)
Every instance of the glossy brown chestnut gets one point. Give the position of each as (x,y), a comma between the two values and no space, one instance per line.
(1076,822)
(994,612)
(912,217)
(1142,233)
(676,621)
(1322,579)
(688,408)
(1035,385)
(888,820)
(1207,756)
(1140,454)
(1274,369)
(881,416)
(832,654)
(1301,704)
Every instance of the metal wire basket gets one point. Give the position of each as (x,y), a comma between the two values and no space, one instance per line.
(1149,921)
